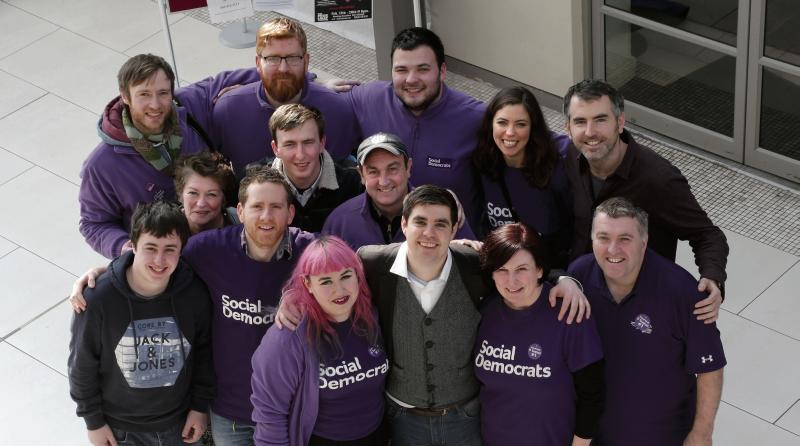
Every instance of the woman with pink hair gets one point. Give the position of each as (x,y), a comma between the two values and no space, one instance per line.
(322,384)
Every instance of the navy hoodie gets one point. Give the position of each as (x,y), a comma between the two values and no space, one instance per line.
(127,366)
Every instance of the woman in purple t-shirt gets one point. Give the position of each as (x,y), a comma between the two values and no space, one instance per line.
(541,379)
(322,384)
(521,166)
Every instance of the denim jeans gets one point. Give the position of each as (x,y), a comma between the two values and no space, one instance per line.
(169,437)
(460,427)
(231,433)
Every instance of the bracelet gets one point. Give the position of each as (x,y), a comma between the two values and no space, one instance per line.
(577,282)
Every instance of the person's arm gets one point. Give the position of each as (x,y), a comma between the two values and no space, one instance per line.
(203,388)
(278,368)
(709,392)
(84,369)
(102,436)
(88,278)
(575,305)
(589,392)
(199,97)
(101,215)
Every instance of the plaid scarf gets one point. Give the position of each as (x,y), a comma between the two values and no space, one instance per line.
(159,150)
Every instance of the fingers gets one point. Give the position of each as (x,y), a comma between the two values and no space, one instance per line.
(573,310)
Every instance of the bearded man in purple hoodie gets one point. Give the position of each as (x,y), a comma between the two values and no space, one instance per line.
(143,131)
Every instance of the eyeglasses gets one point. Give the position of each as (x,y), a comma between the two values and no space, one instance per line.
(274,61)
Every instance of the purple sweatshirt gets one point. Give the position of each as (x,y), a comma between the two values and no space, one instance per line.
(115,178)
(241,123)
(440,141)
(353,222)
(244,294)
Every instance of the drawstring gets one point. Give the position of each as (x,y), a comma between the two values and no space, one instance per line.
(178,327)
(133,327)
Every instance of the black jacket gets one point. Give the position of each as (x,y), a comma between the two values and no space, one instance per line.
(126,366)
(311,217)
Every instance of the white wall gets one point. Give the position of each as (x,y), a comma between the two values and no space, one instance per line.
(536,42)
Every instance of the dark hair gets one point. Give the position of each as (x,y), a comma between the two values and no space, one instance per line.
(159,219)
(324,255)
(619,207)
(290,116)
(429,194)
(258,174)
(592,90)
(412,38)
(502,243)
(205,164)
(541,155)
(139,68)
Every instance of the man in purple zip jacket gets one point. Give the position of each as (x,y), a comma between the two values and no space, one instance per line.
(143,131)
(240,116)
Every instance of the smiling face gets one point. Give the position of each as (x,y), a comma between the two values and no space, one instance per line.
(155,259)
(202,200)
(266,214)
(518,280)
(299,149)
(511,130)
(385,177)
(336,292)
(428,230)
(416,77)
(282,82)
(595,130)
(619,249)
(150,103)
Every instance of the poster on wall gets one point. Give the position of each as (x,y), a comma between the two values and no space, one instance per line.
(185,5)
(269,5)
(336,10)
(227,10)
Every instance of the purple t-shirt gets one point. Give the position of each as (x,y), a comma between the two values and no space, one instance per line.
(524,360)
(653,347)
(244,295)
(351,388)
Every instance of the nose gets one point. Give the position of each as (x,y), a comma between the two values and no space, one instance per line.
(510,130)
(283,65)
(590,128)
(613,247)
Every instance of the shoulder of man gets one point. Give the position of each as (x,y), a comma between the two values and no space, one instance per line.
(374,255)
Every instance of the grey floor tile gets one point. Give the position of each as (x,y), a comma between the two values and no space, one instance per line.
(49,227)
(11,165)
(16,93)
(58,145)
(38,410)
(47,338)
(50,64)
(778,307)
(6,247)
(20,29)
(735,427)
(791,419)
(31,287)
(753,351)
(752,268)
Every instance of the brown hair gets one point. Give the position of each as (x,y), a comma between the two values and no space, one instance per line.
(280,28)
(259,174)
(139,68)
(291,116)
(502,243)
(205,164)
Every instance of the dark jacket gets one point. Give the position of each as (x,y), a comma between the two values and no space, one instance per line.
(658,187)
(127,368)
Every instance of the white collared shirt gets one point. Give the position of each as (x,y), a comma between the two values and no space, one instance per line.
(427,293)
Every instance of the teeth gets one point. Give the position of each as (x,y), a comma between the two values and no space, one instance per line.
(614,260)
(341,300)
(509,143)
(427,244)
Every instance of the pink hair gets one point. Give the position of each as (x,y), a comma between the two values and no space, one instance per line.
(325,255)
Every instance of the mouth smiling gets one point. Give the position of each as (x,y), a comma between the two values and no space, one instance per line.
(614,260)
(342,300)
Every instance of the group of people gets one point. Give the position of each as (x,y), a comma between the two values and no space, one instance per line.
(405,265)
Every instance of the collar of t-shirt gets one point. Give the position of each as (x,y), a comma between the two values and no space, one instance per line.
(326,178)
(388,227)
(427,293)
(284,250)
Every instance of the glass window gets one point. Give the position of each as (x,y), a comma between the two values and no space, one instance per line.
(674,77)
(781,36)
(780,115)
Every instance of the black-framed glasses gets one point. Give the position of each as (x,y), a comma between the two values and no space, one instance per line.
(274,61)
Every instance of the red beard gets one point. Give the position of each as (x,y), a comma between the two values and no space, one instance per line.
(282,87)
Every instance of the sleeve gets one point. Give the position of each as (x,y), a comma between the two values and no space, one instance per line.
(688,221)
(101,215)
(84,367)
(203,378)
(590,398)
(704,351)
(561,241)
(277,374)
(198,98)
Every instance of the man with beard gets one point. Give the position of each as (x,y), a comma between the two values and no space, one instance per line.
(438,125)
(240,116)
(605,161)
(142,131)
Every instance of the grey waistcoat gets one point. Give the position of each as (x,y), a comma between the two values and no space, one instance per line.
(432,363)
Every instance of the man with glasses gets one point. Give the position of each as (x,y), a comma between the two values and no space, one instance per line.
(240,116)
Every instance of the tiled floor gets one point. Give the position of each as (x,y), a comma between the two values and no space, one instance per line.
(58,62)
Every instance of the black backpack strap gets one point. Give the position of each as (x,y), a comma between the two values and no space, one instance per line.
(197,128)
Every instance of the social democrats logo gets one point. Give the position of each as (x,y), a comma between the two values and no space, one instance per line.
(245,311)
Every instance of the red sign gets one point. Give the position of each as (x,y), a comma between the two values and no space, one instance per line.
(183,5)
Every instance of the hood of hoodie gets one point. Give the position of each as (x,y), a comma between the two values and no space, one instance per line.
(110,128)
(180,278)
